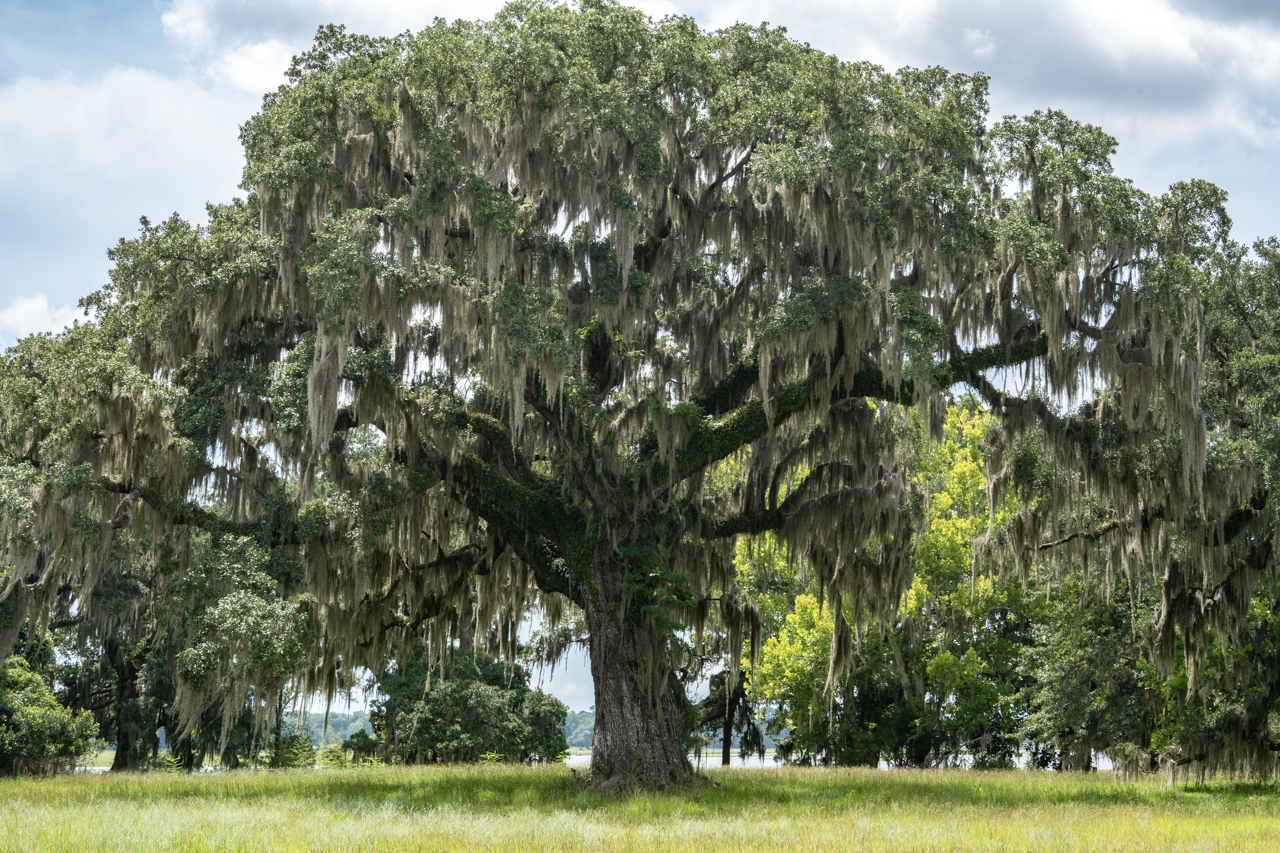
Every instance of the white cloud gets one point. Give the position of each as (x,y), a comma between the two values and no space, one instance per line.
(130,123)
(80,162)
(255,68)
(26,315)
(1136,28)
(217,26)
(871,30)
(980,43)
(657,9)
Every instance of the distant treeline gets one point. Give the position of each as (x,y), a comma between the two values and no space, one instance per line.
(341,726)
(578,728)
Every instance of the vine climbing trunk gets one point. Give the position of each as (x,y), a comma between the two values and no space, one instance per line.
(640,707)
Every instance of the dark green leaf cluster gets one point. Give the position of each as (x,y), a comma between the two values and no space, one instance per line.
(37,734)
(472,707)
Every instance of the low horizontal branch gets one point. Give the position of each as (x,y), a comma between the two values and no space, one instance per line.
(1081,534)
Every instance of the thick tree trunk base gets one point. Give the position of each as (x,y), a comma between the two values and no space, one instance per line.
(639,744)
(640,721)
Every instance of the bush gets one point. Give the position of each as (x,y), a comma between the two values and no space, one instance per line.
(579,728)
(292,749)
(482,708)
(37,734)
(334,755)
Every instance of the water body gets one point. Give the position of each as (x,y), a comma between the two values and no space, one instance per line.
(710,761)
(706,762)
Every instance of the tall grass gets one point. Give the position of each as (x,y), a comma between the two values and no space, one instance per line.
(505,808)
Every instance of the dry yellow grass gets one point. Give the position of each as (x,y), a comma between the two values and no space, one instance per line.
(518,808)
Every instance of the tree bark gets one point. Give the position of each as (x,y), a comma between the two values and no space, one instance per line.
(127,672)
(640,708)
(726,748)
(124,745)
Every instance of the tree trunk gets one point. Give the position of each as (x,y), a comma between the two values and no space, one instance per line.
(127,672)
(277,728)
(124,745)
(726,750)
(185,752)
(640,707)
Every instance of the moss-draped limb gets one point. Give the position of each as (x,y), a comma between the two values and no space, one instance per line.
(716,440)
(962,366)
(499,438)
(1242,517)
(467,554)
(185,513)
(775,518)
(538,526)
(727,393)
(581,448)
(528,510)
(1235,524)
(431,606)
(1091,534)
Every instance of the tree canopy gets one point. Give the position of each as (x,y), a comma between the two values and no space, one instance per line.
(505,298)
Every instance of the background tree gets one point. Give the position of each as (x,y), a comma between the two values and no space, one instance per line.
(1128,506)
(578,728)
(557,267)
(466,708)
(1088,681)
(37,734)
(937,683)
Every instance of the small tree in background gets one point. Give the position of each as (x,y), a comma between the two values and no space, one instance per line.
(467,708)
(38,734)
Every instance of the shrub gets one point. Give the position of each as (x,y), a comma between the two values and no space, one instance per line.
(482,707)
(37,734)
(291,749)
(334,755)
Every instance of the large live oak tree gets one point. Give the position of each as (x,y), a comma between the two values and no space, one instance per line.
(504,295)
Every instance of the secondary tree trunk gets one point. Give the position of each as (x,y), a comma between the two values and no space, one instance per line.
(726,746)
(640,707)
(127,671)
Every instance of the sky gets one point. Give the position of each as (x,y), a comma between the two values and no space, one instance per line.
(118,109)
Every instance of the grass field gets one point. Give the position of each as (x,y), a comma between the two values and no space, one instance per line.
(520,808)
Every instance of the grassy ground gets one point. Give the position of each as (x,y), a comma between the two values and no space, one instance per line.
(518,808)
(103,758)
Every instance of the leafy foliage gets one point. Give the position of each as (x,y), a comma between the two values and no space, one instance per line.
(938,683)
(477,706)
(578,727)
(37,734)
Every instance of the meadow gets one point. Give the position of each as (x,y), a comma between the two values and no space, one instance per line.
(503,808)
